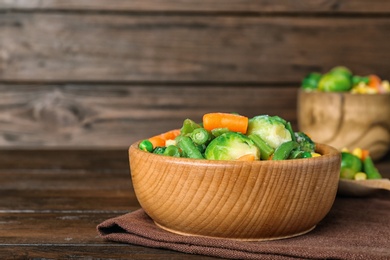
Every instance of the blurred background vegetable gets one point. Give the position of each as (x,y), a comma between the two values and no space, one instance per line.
(341,79)
(358,165)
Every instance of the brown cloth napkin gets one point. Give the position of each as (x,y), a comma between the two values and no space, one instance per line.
(355,228)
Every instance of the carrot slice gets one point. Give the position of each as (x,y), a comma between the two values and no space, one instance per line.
(159,140)
(365,154)
(233,122)
(170,134)
(247,157)
(374,82)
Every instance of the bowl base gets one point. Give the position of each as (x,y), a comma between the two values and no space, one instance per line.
(232,238)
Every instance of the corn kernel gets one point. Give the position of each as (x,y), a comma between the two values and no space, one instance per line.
(315,155)
(360,176)
(170,142)
(358,152)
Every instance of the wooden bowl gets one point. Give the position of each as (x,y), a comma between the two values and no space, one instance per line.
(346,120)
(362,188)
(260,200)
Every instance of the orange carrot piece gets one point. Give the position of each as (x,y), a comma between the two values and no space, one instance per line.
(374,82)
(247,157)
(233,122)
(159,140)
(365,154)
(170,135)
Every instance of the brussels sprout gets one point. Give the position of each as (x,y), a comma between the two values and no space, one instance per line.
(231,146)
(351,161)
(341,70)
(336,82)
(270,128)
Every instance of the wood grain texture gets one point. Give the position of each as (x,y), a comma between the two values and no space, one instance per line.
(221,198)
(115,116)
(54,190)
(261,6)
(100,160)
(179,48)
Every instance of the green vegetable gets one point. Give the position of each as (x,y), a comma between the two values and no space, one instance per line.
(357,79)
(188,147)
(351,161)
(231,146)
(289,128)
(200,136)
(188,126)
(335,82)
(283,151)
(346,173)
(350,165)
(370,169)
(341,70)
(265,150)
(172,150)
(219,131)
(298,154)
(201,148)
(146,145)
(310,81)
(159,150)
(307,155)
(305,142)
(272,129)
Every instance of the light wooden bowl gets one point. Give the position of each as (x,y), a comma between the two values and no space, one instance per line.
(261,200)
(346,120)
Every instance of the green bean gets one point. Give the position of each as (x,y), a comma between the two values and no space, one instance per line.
(370,169)
(219,131)
(188,147)
(283,151)
(296,154)
(200,136)
(188,126)
(265,150)
(159,150)
(172,150)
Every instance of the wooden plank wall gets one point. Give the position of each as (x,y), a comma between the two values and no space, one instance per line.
(105,73)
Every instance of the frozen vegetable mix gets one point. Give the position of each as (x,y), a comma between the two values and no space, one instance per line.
(229,136)
(358,165)
(342,79)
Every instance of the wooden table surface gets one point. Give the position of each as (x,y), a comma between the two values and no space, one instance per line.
(52,201)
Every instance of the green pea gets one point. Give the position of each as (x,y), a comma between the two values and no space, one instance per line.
(146,145)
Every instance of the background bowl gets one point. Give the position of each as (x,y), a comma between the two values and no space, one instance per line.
(346,120)
(259,200)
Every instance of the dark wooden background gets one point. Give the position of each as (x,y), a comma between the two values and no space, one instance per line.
(105,73)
